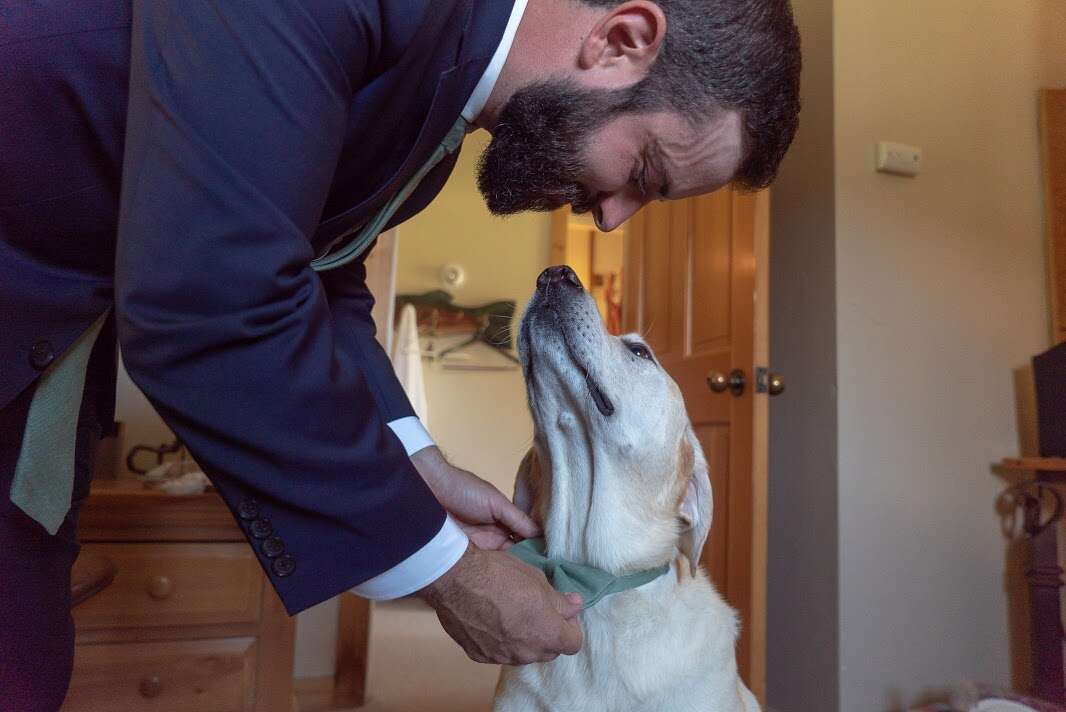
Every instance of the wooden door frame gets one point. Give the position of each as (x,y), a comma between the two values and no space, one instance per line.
(760,479)
(558,231)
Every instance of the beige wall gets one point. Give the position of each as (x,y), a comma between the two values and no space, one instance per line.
(940,294)
(479,418)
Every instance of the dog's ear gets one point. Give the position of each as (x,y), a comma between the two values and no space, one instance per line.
(697,503)
(527,483)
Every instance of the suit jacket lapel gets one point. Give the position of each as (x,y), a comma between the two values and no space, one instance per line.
(484,23)
(448,101)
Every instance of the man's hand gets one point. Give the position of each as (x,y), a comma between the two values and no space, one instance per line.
(484,513)
(503,611)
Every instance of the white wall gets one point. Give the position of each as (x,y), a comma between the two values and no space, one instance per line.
(940,293)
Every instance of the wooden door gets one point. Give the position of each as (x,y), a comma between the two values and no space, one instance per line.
(1053,132)
(695,282)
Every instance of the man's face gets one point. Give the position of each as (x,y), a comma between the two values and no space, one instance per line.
(556,145)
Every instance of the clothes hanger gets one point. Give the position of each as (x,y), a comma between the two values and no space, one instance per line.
(495,330)
(494,320)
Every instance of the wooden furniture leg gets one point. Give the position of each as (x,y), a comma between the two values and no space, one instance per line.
(1045,580)
(353,638)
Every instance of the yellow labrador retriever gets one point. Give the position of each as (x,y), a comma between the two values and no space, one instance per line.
(618,481)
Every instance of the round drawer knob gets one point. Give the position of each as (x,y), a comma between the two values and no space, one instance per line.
(150,687)
(160,587)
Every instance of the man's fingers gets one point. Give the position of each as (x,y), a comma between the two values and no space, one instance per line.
(515,519)
(577,604)
(486,536)
(526,620)
(570,638)
(568,604)
(570,635)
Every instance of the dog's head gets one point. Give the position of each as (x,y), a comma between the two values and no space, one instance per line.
(615,462)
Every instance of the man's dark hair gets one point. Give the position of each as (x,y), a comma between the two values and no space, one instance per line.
(731,54)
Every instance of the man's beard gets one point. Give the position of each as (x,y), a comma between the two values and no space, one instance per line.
(534,160)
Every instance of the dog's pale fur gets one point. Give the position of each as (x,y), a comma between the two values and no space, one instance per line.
(624,492)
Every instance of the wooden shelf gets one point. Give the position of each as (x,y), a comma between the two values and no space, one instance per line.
(1034,464)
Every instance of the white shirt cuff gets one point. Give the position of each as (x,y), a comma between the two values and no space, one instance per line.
(420,568)
(411,433)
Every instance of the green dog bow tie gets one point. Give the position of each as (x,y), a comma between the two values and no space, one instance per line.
(567,577)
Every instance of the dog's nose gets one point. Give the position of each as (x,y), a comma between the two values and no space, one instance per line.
(558,275)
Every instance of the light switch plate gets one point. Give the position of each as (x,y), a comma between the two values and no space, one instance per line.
(899,159)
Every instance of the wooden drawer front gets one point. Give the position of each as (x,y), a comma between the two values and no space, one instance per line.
(174,585)
(172,676)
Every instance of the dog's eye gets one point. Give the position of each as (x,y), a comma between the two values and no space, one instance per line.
(640,350)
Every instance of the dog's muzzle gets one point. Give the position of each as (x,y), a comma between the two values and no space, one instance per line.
(558,277)
(559,282)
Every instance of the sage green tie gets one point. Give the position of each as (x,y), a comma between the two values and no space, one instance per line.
(567,577)
(358,244)
(44,473)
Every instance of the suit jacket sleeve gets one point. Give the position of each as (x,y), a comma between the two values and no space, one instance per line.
(351,305)
(237,115)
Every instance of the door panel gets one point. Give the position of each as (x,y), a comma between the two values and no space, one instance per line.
(654,309)
(711,260)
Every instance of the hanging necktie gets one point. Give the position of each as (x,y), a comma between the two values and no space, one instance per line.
(44,474)
(357,245)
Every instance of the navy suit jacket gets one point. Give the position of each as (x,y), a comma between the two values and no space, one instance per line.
(256,132)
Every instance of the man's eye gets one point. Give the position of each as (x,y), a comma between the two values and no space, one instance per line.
(640,350)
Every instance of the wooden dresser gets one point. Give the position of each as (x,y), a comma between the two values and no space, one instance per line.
(190,623)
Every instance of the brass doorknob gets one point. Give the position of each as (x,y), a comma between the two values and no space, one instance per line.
(720,382)
(776,384)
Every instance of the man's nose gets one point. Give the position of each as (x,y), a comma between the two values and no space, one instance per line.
(614,210)
(560,275)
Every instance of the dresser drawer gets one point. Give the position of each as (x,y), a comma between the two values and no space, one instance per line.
(174,585)
(172,676)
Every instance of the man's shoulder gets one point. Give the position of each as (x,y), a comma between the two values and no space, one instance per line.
(371,36)
(471,27)
(23,20)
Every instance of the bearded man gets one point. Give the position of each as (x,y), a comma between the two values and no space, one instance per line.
(199,182)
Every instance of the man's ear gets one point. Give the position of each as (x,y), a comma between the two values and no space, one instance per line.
(527,483)
(623,43)
(697,504)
